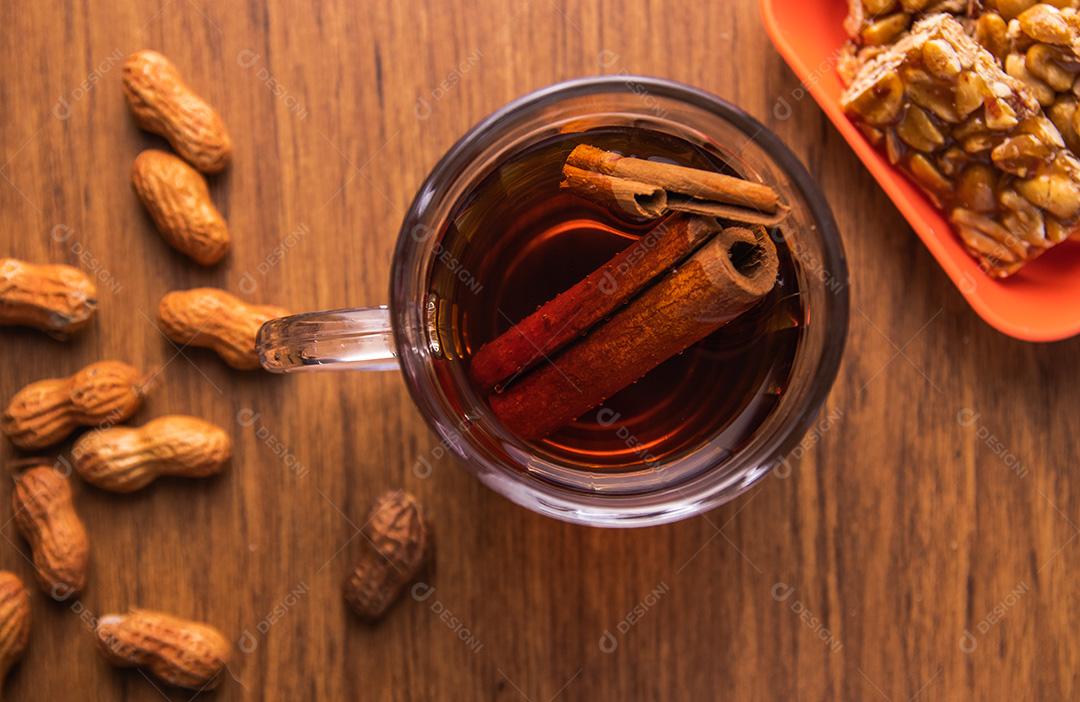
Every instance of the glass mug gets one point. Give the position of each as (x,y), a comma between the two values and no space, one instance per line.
(397,336)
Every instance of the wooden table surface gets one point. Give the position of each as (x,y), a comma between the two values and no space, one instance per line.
(920,547)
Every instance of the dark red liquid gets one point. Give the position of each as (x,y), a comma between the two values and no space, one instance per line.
(517,240)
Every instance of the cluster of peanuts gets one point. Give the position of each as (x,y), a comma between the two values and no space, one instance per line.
(61,301)
(1007,175)
(1040,46)
(873,23)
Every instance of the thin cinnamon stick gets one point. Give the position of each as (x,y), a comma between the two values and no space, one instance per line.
(651,201)
(719,282)
(693,182)
(630,196)
(744,215)
(577,309)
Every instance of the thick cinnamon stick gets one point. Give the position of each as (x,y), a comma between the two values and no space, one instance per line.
(577,309)
(692,182)
(718,283)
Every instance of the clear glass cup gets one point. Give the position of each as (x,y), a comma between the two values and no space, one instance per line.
(398,336)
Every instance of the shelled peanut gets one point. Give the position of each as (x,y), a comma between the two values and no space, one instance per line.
(46,411)
(176,651)
(163,104)
(45,516)
(176,197)
(14,621)
(124,459)
(398,544)
(1039,45)
(214,319)
(57,299)
(881,22)
(1010,9)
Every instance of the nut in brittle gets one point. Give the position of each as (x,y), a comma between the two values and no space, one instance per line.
(974,138)
(1040,46)
(873,24)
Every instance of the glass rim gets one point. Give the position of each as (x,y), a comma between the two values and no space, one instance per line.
(597,508)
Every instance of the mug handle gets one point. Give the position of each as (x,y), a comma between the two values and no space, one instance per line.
(345,339)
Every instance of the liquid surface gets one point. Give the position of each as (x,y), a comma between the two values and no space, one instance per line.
(516,241)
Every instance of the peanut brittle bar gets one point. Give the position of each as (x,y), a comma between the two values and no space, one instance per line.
(974,139)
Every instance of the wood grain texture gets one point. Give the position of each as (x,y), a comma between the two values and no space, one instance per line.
(853,573)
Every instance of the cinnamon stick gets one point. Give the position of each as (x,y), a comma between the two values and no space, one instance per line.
(630,196)
(716,284)
(692,182)
(577,309)
(744,215)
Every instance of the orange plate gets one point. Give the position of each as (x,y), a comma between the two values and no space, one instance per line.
(1039,303)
